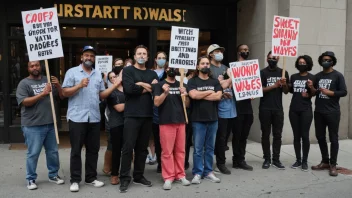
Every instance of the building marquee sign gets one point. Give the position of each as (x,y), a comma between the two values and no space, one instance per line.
(134,13)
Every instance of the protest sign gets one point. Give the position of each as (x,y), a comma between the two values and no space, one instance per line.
(103,64)
(42,34)
(285,36)
(183,47)
(246,79)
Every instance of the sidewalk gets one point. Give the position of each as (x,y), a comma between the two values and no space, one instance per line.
(258,183)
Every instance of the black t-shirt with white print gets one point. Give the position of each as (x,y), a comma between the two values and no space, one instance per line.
(171,110)
(204,110)
(333,81)
(299,86)
(272,100)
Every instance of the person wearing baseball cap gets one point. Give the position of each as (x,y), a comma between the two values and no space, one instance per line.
(329,86)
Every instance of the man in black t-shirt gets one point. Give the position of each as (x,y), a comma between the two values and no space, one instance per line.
(271,114)
(137,83)
(330,86)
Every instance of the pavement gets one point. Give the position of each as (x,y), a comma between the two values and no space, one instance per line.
(258,183)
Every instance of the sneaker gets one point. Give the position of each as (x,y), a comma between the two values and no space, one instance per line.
(211,177)
(223,169)
(167,185)
(266,164)
(143,181)
(278,165)
(242,165)
(148,159)
(196,179)
(57,180)
(124,186)
(296,164)
(184,181)
(151,160)
(304,166)
(31,185)
(74,187)
(96,183)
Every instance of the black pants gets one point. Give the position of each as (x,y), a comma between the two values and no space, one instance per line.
(271,120)
(116,135)
(224,126)
(156,134)
(189,134)
(332,121)
(300,123)
(240,130)
(136,134)
(87,134)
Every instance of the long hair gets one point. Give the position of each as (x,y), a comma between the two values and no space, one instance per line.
(196,73)
(155,65)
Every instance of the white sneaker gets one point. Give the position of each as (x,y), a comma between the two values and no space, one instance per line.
(167,185)
(196,179)
(57,180)
(147,160)
(74,187)
(184,181)
(96,183)
(31,185)
(211,177)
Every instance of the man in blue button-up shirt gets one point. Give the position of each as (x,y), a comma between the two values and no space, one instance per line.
(85,88)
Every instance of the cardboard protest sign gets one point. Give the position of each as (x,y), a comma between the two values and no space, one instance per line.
(103,64)
(285,36)
(183,47)
(246,79)
(42,34)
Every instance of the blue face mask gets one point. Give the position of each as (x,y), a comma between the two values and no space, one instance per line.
(218,56)
(161,62)
(140,61)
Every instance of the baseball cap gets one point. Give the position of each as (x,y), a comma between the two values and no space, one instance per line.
(88,48)
(213,47)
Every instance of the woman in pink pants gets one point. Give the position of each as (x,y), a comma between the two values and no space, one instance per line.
(167,97)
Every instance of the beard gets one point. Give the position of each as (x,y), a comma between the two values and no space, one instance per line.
(35,73)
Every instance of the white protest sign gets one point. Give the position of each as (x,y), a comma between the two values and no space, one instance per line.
(42,34)
(285,36)
(103,64)
(183,47)
(246,79)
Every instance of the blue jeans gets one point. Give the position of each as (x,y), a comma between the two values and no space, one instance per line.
(35,138)
(204,135)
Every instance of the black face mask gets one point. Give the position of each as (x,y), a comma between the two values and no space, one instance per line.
(302,68)
(244,55)
(171,73)
(272,64)
(205,70)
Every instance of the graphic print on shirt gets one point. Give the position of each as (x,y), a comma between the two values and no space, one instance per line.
(324,83)
(299,86)
(272,80)
(206,88)
(174,90)
(37,89)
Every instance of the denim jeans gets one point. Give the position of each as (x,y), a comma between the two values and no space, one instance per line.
(35,138)
(204,135)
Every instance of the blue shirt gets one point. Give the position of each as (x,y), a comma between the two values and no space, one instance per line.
(84,105)
(227,107)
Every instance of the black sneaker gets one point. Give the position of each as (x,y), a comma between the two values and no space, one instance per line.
(296,164)
(243,165)
(266,164)
(124,186)
(143,181)
(223,169)
(278,165)
(158,169)
(304,166)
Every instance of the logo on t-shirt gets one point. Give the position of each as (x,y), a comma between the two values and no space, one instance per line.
(272,80)
(174,90)
(324,83)
(299,86)
(38,88)
(206,88)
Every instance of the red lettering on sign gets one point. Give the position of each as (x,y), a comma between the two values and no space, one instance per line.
(249,70)
(39,17)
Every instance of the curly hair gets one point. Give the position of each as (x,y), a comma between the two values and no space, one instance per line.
(196,73)
(308,60)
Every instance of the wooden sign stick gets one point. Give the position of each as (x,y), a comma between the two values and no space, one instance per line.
(182,71)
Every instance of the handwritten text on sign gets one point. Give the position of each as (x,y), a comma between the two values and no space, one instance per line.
(42,34)
(246,79)
(285,36)
(183,47)
(103,64)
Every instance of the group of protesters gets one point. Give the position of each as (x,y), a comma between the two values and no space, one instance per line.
(142,101)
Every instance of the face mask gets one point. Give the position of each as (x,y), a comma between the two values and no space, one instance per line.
(88,63)
(140,61)
(302,68)
(171,73)
(244,55)
(205,70)
(218,56)
(272,64)
(326,64)
(161,62)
